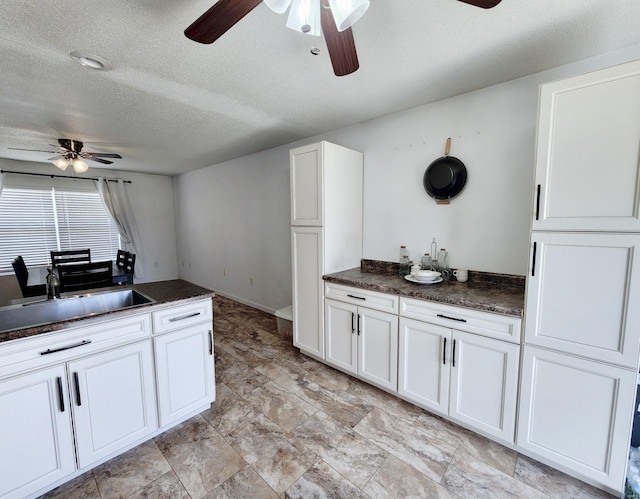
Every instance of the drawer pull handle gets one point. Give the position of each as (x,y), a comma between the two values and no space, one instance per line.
(60,394)
(76,381)
(61,349)
(210,336)
(183,317)
(451,318)
(357,297)
(444,352)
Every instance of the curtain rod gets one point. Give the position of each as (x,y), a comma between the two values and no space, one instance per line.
(63,176)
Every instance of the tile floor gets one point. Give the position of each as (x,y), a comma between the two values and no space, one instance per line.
(284,425)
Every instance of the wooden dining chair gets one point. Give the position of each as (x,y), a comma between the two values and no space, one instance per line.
(74,277)
(120,258)
(22,274)
(70,257)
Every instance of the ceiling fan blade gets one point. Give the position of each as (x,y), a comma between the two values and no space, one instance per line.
(484,4)
(100,155)
(340,44)
(32,150)
(219,19)
(103,161)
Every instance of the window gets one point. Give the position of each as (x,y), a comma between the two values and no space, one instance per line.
(34,222)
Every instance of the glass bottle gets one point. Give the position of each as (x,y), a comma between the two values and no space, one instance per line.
(405,268)
(425,262)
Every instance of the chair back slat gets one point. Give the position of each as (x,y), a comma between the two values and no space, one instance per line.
(74,277)
(70,257)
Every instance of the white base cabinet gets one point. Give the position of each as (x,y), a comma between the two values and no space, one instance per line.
(114,401)
(363,342)
(470,378)
(577,413)
(36,434)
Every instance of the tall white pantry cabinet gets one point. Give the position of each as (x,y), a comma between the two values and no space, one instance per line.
(326,231)
(582,323)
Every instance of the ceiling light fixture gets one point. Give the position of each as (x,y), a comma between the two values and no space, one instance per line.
(304,15)
(72,159)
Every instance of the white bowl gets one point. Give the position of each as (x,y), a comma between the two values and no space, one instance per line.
(426,275)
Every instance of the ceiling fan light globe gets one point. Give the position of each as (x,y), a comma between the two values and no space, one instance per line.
(347,12)
(304,16)
(278,6)
(61,163)
(79,166)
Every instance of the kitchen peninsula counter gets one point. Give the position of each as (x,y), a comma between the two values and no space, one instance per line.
(163,292)
(498,293)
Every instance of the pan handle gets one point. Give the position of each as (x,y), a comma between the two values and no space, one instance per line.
(447,147)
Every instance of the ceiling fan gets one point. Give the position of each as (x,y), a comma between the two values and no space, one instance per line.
(336,19)
(70,153)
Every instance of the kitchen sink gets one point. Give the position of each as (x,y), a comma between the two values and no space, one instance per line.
(71,306)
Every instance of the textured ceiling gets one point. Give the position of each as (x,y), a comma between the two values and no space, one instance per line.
(170,105)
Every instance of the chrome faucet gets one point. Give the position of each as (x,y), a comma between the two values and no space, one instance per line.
(53,285)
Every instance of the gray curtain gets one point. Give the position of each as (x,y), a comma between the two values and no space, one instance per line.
(116,201)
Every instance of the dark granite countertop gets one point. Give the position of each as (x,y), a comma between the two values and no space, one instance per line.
(497,293)
(163,292)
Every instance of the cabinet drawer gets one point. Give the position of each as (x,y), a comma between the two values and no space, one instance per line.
(180,316)
(501,327)
(60,346)
(362,297)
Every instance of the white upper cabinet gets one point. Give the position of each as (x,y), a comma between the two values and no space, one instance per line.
(587,158)
(583,295)
(306,185)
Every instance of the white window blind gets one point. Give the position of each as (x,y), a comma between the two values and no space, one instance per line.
(34,222)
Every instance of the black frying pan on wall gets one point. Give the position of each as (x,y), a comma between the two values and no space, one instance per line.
(445,177)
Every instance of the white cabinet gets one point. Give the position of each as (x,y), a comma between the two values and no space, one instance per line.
(184,363)
(326,237)
(35,435)
(587,164)
(362,333)
(363,342)
(468,377)
(114,401)
(577,413)
(582,296)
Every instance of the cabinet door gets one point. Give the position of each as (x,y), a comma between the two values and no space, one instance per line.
(577,413)
(587,152)
(484,384)
(308,322)
(113,400)
(306,185)
(423,366)
(342,341)
(582,295)
(378,348)
(35,434)
(184,372)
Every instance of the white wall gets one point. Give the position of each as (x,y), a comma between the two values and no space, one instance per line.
(152,200)
(235,215)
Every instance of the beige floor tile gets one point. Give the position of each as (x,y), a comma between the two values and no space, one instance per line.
(353,456)
(323,482)
(408,443)
(82,487)
(469,477)
(199,456)
(277,458)
(244,484)
(554,483)
(397,479)
(229,411)
(131,471)
(280,406)
(168,486)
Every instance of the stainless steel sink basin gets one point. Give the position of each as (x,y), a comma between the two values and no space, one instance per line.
(36,313)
